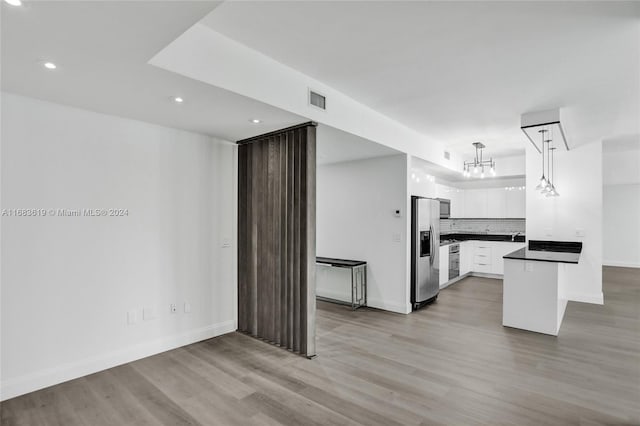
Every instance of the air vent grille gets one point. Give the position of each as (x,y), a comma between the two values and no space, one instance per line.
(317,100)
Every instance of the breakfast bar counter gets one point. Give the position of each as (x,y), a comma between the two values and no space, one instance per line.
(534,285)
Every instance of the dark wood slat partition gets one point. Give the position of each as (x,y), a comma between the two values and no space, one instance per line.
(277,237)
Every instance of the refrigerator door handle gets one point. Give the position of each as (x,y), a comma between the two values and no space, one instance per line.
(431,242)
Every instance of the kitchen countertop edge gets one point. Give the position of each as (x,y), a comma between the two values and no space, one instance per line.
(550,256)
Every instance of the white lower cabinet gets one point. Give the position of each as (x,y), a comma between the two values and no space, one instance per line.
(444,264)
(483,256)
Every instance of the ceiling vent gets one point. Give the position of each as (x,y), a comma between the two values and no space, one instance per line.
(317,100)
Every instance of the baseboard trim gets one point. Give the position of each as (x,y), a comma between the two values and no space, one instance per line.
(597,299)
(620,264)
(487,275)
(471,274)
(53,376)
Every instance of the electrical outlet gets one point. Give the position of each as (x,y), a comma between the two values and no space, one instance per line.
(548,232)
(173,308)
(148,313)
(187,307)
(396,238)
(226,242)
(579,232)
(528,266)
(132,317)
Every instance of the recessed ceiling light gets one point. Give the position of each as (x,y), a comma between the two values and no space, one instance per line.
(178,99)
(255,121)
(13,2)
(49,65)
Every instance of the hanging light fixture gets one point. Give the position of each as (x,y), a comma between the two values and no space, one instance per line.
(478,164)
(546,185)
(546,123)
(551,192)
(543,180)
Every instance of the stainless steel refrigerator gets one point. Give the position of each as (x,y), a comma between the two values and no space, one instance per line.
(425,249)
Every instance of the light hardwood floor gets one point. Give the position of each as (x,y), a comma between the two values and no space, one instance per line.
(451,363)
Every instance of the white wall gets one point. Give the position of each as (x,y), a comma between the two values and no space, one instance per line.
(622,225)
(355,205)
(68,282)
(621,167)
(621,170)
(578,179)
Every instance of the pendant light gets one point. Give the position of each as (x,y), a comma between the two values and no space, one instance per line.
(552,189)
(543,180)
(547,187)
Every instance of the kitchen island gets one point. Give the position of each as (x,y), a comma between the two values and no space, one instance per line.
(534,286)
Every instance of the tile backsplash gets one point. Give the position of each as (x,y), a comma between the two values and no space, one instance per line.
(483,226)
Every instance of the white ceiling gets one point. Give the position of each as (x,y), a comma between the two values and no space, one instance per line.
(457,72)
(461,71)
(106,70)
(102,48)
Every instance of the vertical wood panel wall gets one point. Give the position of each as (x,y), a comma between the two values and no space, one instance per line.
(277,237)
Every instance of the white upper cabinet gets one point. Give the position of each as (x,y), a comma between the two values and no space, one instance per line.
(516,203)
(457,202)
(484,203)
(496,202)
(475,203)
(443,191)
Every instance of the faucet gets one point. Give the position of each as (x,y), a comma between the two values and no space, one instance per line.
(514,235)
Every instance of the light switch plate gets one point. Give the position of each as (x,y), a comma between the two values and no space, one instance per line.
(396,238)
(528,266)
(226,242)
(548,232)
(187,307)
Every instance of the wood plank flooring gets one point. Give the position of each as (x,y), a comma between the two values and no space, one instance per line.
(451,363)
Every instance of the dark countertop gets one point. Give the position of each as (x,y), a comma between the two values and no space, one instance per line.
(456,237)
(549,251)
(341,263)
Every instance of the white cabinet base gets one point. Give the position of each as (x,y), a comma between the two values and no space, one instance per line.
(533,296)
(470,274)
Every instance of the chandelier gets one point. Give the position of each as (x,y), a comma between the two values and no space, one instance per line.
(478,165)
